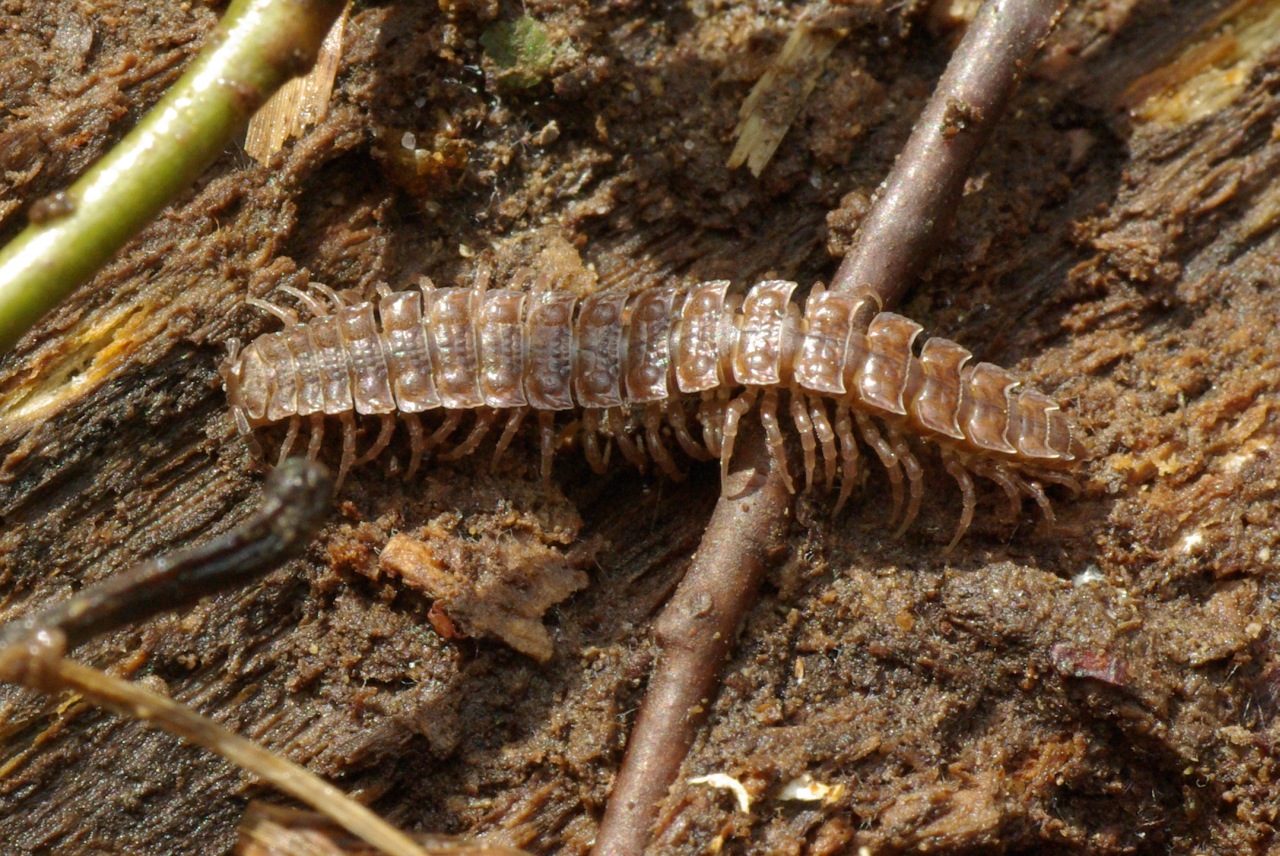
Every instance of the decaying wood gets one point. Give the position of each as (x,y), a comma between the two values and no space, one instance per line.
(908,218)
(1110,688)
(274,831)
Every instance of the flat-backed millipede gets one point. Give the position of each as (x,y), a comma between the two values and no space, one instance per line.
(644,368)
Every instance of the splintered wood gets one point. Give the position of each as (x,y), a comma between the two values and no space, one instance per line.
(301,102)
(780,94)
(1210,70)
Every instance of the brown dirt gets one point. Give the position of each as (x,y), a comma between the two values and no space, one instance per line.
(1110,687)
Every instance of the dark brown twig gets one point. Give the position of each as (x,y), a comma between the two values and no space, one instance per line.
(294,502)
(697,628)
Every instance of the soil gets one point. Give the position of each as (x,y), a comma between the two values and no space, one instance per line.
(1111,686)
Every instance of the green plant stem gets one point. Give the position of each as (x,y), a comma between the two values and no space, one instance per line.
(258,45)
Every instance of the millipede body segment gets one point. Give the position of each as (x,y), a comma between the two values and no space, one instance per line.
(640,370)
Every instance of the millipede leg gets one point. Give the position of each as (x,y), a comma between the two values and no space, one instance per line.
(315,307)
(328,292)
(547,438)
(674,411)
(446,429)
(386,427)
(243,428)
(484,273)
(1036,490)
(826,438)
(417,444)
(255,447)
(508,434)
(772,430)
(711,410)
(887,457)
(288,316)
(238,414)
(848,453)
(1068,481)
(519,280)
(348,448)
(915,479)
(962,477)
(317,436)
(733,413)
(290,437)
(484,421)
(652,416)
(618,428)
(1010,486)
(591,439)
(231,379)
(804,427)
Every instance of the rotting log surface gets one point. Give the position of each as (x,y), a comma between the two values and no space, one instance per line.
(979,700)
(911,211)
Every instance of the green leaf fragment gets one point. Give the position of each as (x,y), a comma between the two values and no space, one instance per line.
(522,51)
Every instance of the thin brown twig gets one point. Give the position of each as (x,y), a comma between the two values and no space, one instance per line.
(915,204)
(697,628)
(695,633)
(50,672)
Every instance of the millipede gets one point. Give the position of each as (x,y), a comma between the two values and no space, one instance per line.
(638,370)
